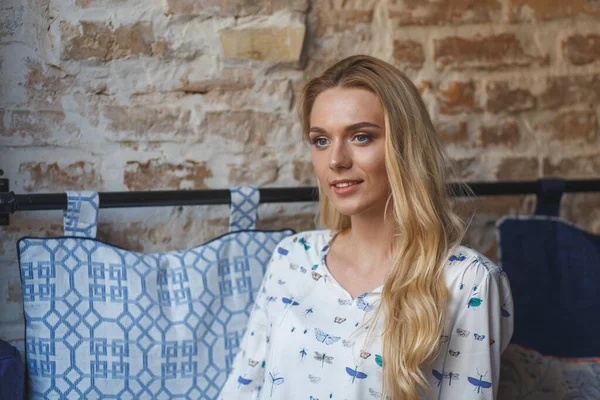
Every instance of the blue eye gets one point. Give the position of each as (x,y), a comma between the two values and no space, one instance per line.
(366,137)
(319,142)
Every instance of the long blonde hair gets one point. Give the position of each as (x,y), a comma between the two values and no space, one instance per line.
(414,294)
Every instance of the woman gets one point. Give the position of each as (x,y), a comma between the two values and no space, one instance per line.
(385,302)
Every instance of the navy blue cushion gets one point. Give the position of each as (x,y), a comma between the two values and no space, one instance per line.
(554,272)
(11,373)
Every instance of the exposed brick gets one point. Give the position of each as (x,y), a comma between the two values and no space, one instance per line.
(541,10)
(303,172)
(300,222)
(243,126)
(43,176)
(489,52)
(164,121)
(409,53)
(454,97)
(435,12)
(94,40)
(582,209)
(39,127)
(233,8)
(501,96)
(573,126)
(264,42)
(45,87)
(258,167)
(569,90)
(573,166)
(230,80)
(193,6)
(581,49)
(454,132)
(157,175)
(424,86)
(518,169)
(341,20)
(466,169)
(502,134)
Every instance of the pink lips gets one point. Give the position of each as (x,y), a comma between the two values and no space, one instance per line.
(345,190)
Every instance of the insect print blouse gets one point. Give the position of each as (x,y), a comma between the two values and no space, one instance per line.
(306,334)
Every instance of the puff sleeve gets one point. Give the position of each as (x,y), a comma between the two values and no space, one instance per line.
(481,331)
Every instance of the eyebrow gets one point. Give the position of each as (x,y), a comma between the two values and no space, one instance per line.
(352,127)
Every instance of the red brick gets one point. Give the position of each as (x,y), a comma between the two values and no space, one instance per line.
(489,52)
(300,222)
(454,132)
(541,10)
(466,168)
(258,166)
(45,87)
(103,42)
(455,97)
(40,176)
(501,96)
(341,16)
(242,126)
(234,8)
(435,12)
(40,127)
(503,134)
(156,175)
(518,169)
(408,53)
(424,86)
(581,166)
(142,121)
(573,126)
(230,80)
(580,49)
(570,90)
(582,209)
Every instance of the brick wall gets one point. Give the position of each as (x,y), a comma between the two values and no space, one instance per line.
(116,95)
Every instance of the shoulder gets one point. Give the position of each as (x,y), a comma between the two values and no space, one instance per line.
(305,246)
(469,273)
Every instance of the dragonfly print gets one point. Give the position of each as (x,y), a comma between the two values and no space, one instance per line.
(324,358)
(355,373)
(275,381)
(479,383)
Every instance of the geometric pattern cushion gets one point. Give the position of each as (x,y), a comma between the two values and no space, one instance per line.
(554,272)
(106,322)
(528,375)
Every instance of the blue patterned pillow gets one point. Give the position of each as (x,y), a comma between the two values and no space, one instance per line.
(528,375)
(105,322)
(554,272)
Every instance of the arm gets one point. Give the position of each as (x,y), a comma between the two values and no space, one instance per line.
(481,332)
(247,375)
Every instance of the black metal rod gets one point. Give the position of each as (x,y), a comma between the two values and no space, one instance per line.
(11,202)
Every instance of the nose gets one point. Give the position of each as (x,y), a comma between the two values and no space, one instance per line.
(340,157)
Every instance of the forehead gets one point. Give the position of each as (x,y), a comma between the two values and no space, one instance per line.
(339,107)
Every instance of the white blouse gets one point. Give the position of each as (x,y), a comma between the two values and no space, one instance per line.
(306,336)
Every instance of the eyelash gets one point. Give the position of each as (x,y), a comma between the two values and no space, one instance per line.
(368,137)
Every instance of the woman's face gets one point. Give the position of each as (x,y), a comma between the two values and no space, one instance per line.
(347,136)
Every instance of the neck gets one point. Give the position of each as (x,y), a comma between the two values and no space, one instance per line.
(372,232)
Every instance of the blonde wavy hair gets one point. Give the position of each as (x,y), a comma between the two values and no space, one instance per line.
(414,294)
